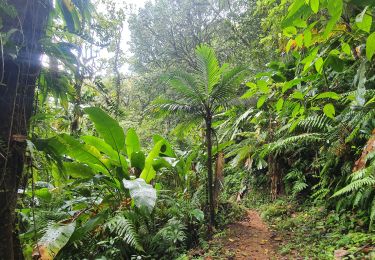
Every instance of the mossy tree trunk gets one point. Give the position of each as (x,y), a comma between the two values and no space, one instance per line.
(18,78)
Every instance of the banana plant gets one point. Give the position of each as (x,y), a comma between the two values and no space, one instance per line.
(112,172)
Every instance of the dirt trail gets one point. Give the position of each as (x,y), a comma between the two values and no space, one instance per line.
(251,239)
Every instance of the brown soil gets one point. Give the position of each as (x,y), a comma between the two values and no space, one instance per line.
(248,239)
(251,239)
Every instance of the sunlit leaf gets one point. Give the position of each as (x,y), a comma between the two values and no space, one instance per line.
(370,46)
(329,110)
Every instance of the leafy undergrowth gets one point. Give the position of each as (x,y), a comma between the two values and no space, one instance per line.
(316,232)
(228,213)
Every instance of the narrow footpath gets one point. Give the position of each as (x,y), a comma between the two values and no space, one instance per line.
(251,239)
(247,239)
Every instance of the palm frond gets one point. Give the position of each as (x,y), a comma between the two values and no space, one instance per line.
(208,66)
(186,87)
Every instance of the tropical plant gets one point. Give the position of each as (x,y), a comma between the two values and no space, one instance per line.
(201,96)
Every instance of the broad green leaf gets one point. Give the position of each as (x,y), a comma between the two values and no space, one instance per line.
(331,95)
(307,37)
(132,142)
(78,170)
(335,8)
(364,20)
(251,85)
(314,4)
(166,149)
(54,239)
(249,93)
(290,31)
(329,110)
(335,63)
(107,127)
(143,194)
(296,110)
(346,49)
(288,85)
(298,95)
(370,46)
(299,40)
(279,104)
(101,145)
(261,101)
(138,160)
(300,23)
(43,193)
(149,172)
(90,225)
(295,123)
(198,214)
(81,152)
(319,65)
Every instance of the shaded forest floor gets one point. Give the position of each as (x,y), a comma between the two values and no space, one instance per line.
(248,238)
(283,229)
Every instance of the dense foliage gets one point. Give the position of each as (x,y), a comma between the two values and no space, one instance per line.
(221,103)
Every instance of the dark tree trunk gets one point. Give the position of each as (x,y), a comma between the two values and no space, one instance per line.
(78,77)
(117,81)
(18,77)
(275,171)
(210,175)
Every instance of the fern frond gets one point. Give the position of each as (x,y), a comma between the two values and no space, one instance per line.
(355,185)
(316,122)
(124,228)
(290,142)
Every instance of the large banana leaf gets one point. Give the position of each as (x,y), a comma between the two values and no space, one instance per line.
(78,170)
(132,142)
(149,172)
(117,158)
(143,194)
(166,149)
(54,239)
(107,127)
(82,152)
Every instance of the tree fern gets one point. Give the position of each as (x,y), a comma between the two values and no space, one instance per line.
(124,229)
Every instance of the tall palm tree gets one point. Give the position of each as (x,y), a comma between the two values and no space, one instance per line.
(202,95)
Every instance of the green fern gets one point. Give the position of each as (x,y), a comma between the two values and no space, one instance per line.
(355,186)
(124,229)
(315,122)
(290,143)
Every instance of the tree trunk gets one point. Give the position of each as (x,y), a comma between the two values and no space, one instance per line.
(275,171)
(78,77)
(210,175)
(117,80)
(18,77)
